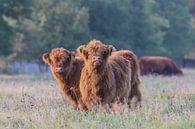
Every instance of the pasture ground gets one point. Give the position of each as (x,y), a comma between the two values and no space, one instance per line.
(34,102)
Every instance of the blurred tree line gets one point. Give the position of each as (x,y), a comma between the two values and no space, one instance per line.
(147,27)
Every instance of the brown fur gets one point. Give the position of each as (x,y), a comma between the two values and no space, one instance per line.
(135,82)
(108,79)
(158,65)
(68,79)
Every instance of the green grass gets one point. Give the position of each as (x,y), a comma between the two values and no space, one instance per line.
(35,102)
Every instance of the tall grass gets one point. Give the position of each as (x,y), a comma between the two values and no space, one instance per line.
(34,102)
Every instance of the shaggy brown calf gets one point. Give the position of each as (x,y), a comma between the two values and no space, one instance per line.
(158,65)
(66,69)
(106,78)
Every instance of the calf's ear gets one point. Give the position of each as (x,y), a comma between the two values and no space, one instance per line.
(81,50)
(111,49)
(46,58)
(72,55)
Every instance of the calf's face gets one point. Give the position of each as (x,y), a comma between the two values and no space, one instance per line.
(95,53)
(59,59)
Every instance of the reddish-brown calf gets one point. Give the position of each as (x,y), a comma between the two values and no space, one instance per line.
(66,69)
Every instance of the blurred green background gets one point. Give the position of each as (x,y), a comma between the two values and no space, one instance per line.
(28,28)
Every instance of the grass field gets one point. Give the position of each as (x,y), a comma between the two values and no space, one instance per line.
(34,102)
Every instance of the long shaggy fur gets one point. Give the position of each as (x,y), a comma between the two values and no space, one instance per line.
(68,80)
(135,81)
(110,81)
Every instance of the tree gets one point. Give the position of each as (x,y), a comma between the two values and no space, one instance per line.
(146,28)
(54,23)
(108,20)
(128,24)
(178,39)
(6,35)
(16,9)
(10,12)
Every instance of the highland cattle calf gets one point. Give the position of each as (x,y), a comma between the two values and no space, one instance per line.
(106,77)
(66,69)
(158,65)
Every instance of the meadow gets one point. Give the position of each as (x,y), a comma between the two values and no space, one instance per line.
(35,102)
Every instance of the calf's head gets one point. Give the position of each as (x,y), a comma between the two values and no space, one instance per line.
(95,53)
(59,59)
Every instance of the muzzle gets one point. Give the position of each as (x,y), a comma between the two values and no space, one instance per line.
(97,60)
(59,69)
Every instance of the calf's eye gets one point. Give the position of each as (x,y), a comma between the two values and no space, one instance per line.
(104,53)
(67,59)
